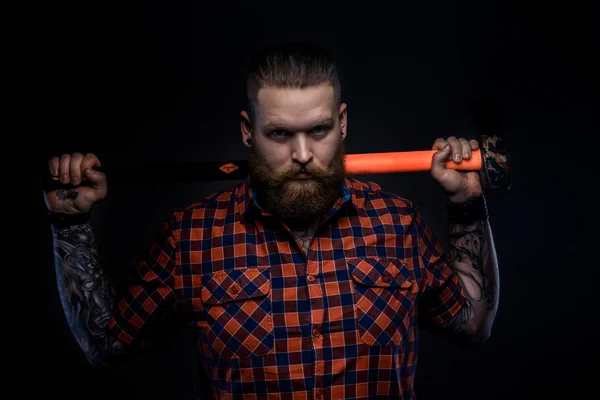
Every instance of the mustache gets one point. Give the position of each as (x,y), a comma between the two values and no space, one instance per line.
(297,169)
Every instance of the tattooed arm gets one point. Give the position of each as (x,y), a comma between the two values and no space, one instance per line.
(471,252)
(473,256)
(86,294)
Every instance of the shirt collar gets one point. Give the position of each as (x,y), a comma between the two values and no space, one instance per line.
(249,208)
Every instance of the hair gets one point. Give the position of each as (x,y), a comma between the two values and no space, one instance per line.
(293,65)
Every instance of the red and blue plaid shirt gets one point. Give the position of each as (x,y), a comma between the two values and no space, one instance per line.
(340,322)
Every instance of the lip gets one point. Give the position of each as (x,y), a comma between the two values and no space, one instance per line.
(302,176)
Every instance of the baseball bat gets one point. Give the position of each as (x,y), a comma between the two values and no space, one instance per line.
(355,164)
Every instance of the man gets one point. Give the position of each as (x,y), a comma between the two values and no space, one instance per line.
(299,282)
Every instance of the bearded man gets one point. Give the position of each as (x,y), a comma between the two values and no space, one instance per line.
(298,282)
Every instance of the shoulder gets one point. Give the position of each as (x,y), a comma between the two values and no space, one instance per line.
(210,206)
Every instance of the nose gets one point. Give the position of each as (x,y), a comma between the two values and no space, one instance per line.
(301,152)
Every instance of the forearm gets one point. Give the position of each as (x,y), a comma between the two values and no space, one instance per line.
(86,294)
(473,256)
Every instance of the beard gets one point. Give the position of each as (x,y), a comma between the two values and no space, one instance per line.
(297,201)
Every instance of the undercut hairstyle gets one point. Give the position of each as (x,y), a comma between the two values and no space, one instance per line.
(290,65)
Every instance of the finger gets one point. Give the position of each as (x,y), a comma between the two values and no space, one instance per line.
(90,160)
(75,168)
(53,165)
(97,180)
(456,153)
(439,144)
(466,148)
(474,144)
(63,168)
(95,177)
(439,159)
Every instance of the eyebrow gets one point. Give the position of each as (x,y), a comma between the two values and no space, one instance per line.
(270,126)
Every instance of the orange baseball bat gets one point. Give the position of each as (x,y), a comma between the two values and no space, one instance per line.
(356,164)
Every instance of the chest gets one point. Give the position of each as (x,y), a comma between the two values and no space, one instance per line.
(304,237)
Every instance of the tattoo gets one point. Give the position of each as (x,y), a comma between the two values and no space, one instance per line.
(305,236)
(67,194)
(472,256)
(304,242)
(465,252)
(459,323)
(86,295)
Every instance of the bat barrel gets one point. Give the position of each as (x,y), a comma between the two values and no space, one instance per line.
(404,161)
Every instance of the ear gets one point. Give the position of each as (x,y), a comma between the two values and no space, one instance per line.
(343,119)
(245,127)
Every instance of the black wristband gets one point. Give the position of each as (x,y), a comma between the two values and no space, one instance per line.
(474,209)
(62,220)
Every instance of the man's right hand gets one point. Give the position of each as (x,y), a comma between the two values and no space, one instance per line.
(78,170)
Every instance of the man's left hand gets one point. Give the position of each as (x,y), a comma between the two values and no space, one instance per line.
(459,186)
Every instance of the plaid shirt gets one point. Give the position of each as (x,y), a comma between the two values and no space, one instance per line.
(340,322)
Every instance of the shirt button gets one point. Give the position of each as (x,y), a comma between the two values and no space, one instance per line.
(310,278)
(386,277)
(316,332)
(319,394)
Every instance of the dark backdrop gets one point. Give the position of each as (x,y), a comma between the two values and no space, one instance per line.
(140,82)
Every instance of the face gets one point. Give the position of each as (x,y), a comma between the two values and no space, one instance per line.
(297,156)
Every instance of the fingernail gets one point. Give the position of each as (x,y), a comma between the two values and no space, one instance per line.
(90,171)
(64,178)
(446,147)
(75,180)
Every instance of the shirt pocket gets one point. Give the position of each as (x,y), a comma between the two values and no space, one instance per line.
(239,321)
(384,295)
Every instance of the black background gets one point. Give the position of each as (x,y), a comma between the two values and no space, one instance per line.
(138,82)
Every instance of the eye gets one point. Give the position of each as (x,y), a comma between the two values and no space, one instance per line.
(320,129)
(88,285)
(278,133)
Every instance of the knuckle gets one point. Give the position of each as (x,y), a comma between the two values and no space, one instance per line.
(90,159)
(439,143)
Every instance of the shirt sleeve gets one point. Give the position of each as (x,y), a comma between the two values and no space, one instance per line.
(443,295)
(145,303)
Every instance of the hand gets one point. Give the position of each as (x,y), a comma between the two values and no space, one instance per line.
(459,186)
(89,185)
